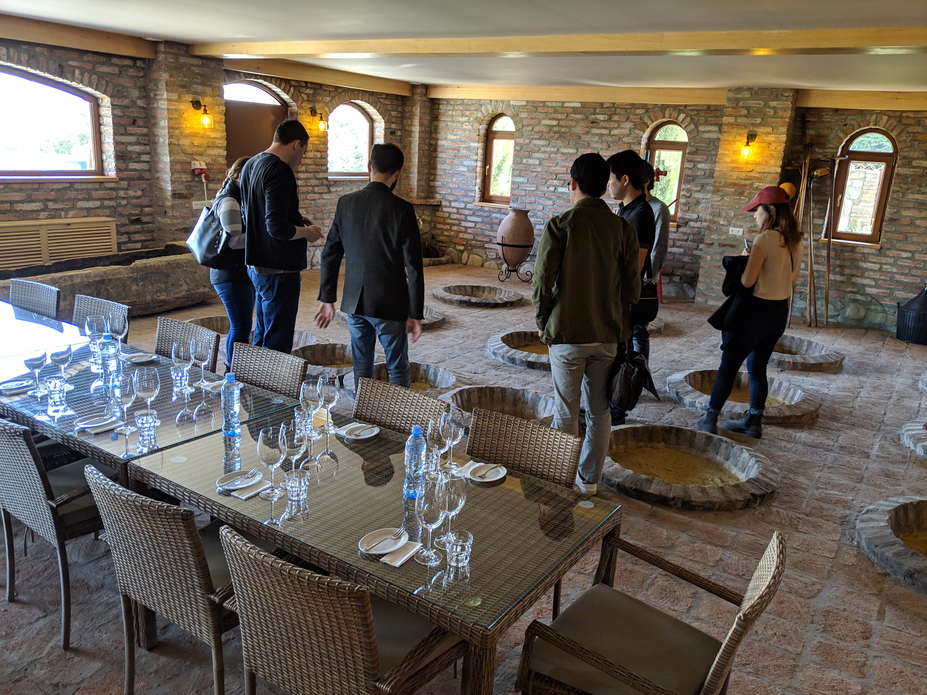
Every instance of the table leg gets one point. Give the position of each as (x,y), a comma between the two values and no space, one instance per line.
(146,626)
(479,670)
(605,572)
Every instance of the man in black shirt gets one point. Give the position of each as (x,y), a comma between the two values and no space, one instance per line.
(276,235)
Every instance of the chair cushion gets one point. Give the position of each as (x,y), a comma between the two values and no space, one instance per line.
(398,631)
(630,633)
(215,557)
(69,478)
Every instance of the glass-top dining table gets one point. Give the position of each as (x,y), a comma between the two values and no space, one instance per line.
(527,532)
(25,333)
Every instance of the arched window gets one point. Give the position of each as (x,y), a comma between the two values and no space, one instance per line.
(350,137)
(47,128)
(252,114)
(500,151)
(666,151)
(864,180)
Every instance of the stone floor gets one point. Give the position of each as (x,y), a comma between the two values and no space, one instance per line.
(838,625)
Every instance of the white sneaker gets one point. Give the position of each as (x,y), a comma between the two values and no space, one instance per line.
(583,487)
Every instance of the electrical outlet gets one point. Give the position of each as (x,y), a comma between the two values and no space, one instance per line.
(735,231)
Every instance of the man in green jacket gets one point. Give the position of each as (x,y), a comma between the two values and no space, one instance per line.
(585,256)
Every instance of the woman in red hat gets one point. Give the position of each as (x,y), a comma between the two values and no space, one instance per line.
(772,269)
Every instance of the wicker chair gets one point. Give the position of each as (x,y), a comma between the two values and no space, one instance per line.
(85,306)
(55,504)
(608,642)
(166,565)
(318,635)
(36,297)
(170,331)
(268,369)
(395,407)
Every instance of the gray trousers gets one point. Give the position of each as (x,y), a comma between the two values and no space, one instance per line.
(584,366)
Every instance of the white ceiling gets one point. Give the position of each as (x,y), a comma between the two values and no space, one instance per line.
(205,21)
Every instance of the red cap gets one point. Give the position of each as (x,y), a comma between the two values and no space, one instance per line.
(771,195)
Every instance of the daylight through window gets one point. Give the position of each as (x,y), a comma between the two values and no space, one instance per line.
(500,153)
(350,137)
(863,183)
(666,151)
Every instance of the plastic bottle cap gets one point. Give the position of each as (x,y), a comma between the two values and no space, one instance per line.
(416,430)
(229,376)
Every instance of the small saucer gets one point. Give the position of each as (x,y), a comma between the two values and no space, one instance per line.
(388,544)
(365,432)
(13,388)
(143,358)
(224,482)
(493,475)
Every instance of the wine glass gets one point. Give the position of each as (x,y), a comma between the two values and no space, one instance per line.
(124,390)
(62,358)
(455,495)
(309,400)
(147,384)
(435,438)
(429,508)
(201,350)
(94,328)
(182,356)
(453,433)
(328,396)
(292,441)
(34,364)
(119,328)
(271,454)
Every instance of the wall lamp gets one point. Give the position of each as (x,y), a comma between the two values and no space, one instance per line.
(751,136)
(315,112)
(205,116)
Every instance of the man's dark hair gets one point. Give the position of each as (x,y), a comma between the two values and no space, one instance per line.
(591,174)
(291,130)
(386,159)
(630,164)
(649,173)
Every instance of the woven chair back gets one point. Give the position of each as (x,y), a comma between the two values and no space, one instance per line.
(760,592)
(304,632)
(158,555)
(170,331)
(36,297)
(24,487)
(525,446)
(268,369)
(85,306)
(395,407)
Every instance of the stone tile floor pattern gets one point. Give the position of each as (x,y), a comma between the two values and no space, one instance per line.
(838,625)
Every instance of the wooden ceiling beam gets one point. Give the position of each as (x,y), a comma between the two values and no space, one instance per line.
(803,42)
(856,100)
(66,36)
(312,73)
(608,95)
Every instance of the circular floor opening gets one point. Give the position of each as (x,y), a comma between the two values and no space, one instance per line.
(522,403)
(686,469)
(522,349)
(432,318)
(914,436)
(893,534)
(327,359)
(426,378)
(804,355)
(480,296)
(786,404)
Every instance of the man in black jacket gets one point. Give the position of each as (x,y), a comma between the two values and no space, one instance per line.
(276,234)
(384,290)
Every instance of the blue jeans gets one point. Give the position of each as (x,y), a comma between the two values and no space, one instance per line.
(276,306)
(640,340)
(392,335)
(238,298)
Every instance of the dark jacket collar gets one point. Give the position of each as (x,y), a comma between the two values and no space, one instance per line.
(377,185)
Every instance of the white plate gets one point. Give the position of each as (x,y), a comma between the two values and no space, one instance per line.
(215,385)
(366,432)
(387,546)
(494,474)
(224,481)
(144,358)
(11,388)
(93,421)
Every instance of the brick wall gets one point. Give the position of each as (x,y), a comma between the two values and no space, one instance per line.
(548,137)
(120,85)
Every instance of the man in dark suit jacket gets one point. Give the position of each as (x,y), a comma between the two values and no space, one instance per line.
(384,290)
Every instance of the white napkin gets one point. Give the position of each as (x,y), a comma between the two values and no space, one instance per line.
(246,493)
(105,427)
(401,555)
(469,466)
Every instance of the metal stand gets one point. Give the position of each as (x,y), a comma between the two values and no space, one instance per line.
(508,270)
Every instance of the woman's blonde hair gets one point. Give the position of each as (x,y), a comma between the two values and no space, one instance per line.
(234,171)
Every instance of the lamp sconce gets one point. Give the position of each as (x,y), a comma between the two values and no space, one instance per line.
(751,136)
(315,112)
(205,116)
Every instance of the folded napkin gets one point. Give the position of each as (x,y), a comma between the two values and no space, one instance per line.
(469,466)
(246,493)
(401,555)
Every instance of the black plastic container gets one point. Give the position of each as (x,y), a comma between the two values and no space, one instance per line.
(911,326)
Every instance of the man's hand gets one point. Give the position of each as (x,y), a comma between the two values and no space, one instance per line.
(325,314)
(311,233)
(414,328)
(307,221)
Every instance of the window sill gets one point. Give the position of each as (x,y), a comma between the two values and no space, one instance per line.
(349,177)
(58,179)
(498,206)
(846,242)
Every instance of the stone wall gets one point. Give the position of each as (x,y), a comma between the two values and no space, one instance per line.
(548,137)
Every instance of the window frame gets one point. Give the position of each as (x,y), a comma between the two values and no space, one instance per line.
(491,137)
(654,144)
(258,85)
(95,131)
(356,175)
(843,170)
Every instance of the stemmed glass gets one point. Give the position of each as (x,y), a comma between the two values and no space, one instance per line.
(435,438)
(35,364)
(119,328)
(328,395)
(147,384)
(271,454)
(94,328)
(201,350)
(292,441)
(62,358)
(455,495)
(453,432)
(124,390)
(308,399)
(429,508)
(182,356)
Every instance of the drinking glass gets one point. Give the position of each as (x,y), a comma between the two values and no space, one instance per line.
(453,433)
(182,356)
(147,384)
(429,509)
(271,454)
(124,391)
(309,400)
(94,328)
(34,364)
(435,438)
(455,495)
(297,486)
(292,441)
(62,358)
(328,396)
(119,328)
(303,421)
(57,398)
(201,353)
(147,432)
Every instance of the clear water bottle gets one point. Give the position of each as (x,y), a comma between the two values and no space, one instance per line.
(231,404)
(415,463)
(108,354)
(231,460)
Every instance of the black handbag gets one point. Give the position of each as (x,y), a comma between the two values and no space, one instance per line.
(648,306)
(629,380)
(207,241)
